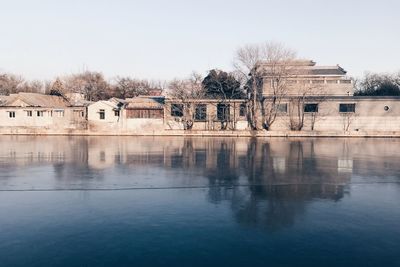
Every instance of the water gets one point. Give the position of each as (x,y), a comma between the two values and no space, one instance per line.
(144,201)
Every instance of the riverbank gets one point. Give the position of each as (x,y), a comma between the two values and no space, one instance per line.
(227,133)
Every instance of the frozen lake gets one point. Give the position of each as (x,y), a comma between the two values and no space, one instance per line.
(175,201)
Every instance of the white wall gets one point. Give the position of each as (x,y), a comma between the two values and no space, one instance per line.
(49,120)
(110,122)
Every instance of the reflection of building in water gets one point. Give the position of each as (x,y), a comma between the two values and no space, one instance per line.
(258,161)
(279,164)
(345,165)
(281,176)
(262,159)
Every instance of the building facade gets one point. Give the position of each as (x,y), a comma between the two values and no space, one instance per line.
(38,113)
(305,77)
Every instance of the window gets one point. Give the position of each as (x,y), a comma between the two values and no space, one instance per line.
(144,113)
(29,113)
(310,108)
(200,112)
(223,112)
(331,81)
(78,113)
(346,108)
(11,114)
(40,113)
(242,110)
(59,113)
(345,81)
(177,110)
(282,108)
(116,113)
(102,114)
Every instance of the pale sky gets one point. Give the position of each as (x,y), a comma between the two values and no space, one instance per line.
(166,39)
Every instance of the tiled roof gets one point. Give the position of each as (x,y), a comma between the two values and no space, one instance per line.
(5,99)
(35,100)
(336,70)
(306,67)
(145,103)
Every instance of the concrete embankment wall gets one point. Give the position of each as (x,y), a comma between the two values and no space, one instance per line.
(242,133)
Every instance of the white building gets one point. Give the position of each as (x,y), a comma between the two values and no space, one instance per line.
(38,113)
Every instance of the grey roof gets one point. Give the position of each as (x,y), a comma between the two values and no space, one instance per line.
(145,102)
(306,68)
(35,100)
(81,103)
(337,70)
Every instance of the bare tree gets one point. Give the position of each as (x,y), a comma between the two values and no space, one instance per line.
(34,86)
(305,101)
(92,85)
(186,91)
(348,118)
(10,84)
(55,88)
(268,62)
(374,84)
(126,87)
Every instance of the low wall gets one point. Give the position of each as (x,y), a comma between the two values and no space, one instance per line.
(242,133)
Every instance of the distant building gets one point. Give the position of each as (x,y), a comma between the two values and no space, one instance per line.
(105,115)
(40,112)
(207,114)
(305,74)
(136,115)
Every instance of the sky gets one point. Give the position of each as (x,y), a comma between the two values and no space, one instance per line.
(163,40)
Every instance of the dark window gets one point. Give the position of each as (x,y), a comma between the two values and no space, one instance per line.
(102,114)
(116,113)
(282,108)
(40,113)
(332,81)
(177,110)
(310,108)
(345,81)
(11,114)
(201,112)
(242,110)
(144,113)
(29,113)
(223,112)
(344,108)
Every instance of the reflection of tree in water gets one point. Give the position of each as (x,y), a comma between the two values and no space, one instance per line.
(275,207)
(273,199)
(225,175)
